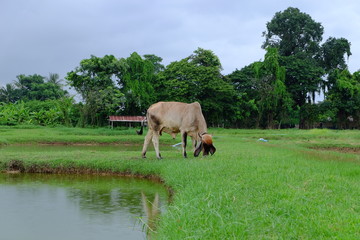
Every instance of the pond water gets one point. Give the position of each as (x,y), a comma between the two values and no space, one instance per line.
(47,206)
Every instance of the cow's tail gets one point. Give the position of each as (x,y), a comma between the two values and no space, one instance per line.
(140,132)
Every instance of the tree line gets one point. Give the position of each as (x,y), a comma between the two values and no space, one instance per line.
(278,91)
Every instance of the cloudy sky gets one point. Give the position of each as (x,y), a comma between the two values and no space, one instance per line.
(53,36)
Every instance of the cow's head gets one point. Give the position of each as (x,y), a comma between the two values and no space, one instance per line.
(206,145)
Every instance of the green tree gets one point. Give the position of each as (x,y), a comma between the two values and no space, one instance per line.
(293,32)
(333,53)
(297,37)
(179,82)
(156,61)
(99,105)
(54,78)
(95,79)
(9,93)
(137,77)
(344,97)
(34,87)
(265,101)
(93,74)
(27,85)
(244,82)
(110,85)
(274,101)
(333,58)
(205,58)
(198,78)
(213,91)
(303,78)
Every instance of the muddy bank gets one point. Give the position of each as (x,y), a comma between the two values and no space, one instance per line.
(354,150)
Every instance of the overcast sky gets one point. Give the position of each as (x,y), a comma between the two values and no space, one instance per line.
(53,36)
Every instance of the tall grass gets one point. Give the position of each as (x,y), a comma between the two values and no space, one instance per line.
(249,189)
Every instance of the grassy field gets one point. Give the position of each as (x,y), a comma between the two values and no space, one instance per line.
(297,185)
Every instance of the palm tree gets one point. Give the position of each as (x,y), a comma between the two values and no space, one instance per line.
(55,79)
(19,83)
(8,93)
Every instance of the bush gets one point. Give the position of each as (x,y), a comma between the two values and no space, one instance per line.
(46,113)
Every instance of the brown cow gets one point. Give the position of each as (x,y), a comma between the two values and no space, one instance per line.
(177,117)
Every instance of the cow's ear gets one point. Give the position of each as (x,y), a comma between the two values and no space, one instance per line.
(212,149)
(198,149)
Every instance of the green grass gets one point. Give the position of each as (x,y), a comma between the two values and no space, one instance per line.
(29,134)
(280,189)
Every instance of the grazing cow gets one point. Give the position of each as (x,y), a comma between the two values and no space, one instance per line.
(177,117)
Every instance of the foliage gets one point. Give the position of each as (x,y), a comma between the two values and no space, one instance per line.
(273,99)
(32,87)
(100,104)
(95,80)
(198,78)
(297,37)
(293,32)
(244,84)
(54,78)
(47,113)
(137,78)
(262,86)
(277,91)
(109,85)
(11,114)
(344,98)
(9,93)
(333,52)
(156,61)
(93,74)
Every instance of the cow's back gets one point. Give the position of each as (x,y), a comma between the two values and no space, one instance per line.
(174,115)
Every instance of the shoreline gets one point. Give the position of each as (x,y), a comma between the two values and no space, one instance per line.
(18,167)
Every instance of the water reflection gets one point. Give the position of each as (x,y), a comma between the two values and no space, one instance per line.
(75,207)
(152,211)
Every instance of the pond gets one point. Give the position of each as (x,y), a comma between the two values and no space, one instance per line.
(49,206)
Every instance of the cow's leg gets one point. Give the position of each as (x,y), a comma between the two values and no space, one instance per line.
(148,137)
(155,140)
(194,143)
(184,142)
